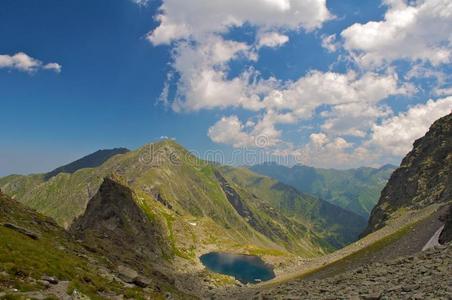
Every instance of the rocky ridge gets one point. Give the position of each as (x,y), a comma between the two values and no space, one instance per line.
(423,178)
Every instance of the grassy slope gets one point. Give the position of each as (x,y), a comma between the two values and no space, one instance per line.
(322,220)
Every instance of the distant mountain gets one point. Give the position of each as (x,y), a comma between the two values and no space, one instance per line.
(356,190)
(424,177)
(90,161)
(201,205)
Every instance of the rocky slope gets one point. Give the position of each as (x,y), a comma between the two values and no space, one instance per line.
(356,190)
(426,275)
(423,178)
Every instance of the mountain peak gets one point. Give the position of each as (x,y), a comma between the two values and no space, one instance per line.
(89,161)
(113,212)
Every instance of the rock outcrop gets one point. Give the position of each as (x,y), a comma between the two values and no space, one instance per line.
(446,234)
(116,226)
(423,178)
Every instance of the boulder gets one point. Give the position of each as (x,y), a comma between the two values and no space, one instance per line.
(126,274)
(142,281)
(50,279)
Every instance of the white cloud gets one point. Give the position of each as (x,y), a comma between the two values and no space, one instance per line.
(418,31)
(388,141)
(352,100)
(141,2)
(324,151)
(345,106)
(446,91)
(25,63)
(396,135)
(230,131)
(53,66)
(181,19)
(272,40)
(203,69)
(329,42)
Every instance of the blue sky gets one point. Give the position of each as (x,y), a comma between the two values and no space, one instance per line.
(327,83)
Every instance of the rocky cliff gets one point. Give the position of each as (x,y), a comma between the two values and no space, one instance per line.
(423,178)
(114,224)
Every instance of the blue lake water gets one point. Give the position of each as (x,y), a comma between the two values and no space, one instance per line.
(245,268)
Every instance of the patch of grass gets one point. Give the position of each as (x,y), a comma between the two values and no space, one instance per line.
(264,251)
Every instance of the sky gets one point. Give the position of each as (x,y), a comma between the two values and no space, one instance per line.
(335,84)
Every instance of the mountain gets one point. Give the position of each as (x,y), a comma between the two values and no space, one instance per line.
(198,203)
(90,161)
(424,177)
(41,260)
(356,190)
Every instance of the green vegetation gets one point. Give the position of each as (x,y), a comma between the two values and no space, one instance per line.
(172,186)
(331,227)
(54,254)
(356,190)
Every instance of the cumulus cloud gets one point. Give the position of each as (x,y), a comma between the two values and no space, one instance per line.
(230,131)
(411,30)
(141,2)
(181,19)
(349,108)
(25,63)
(396,135)
(203,70)
(388,141)
(272,40)
(330,43)
(53,66)
(324,151)
(351,102)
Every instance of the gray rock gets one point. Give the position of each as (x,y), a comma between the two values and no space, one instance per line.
(22,230)
(50,279)
(126,274)
(142,281)
(45,283)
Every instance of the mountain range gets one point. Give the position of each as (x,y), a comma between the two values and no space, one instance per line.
(356,190)
(132,224)
(231,207)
